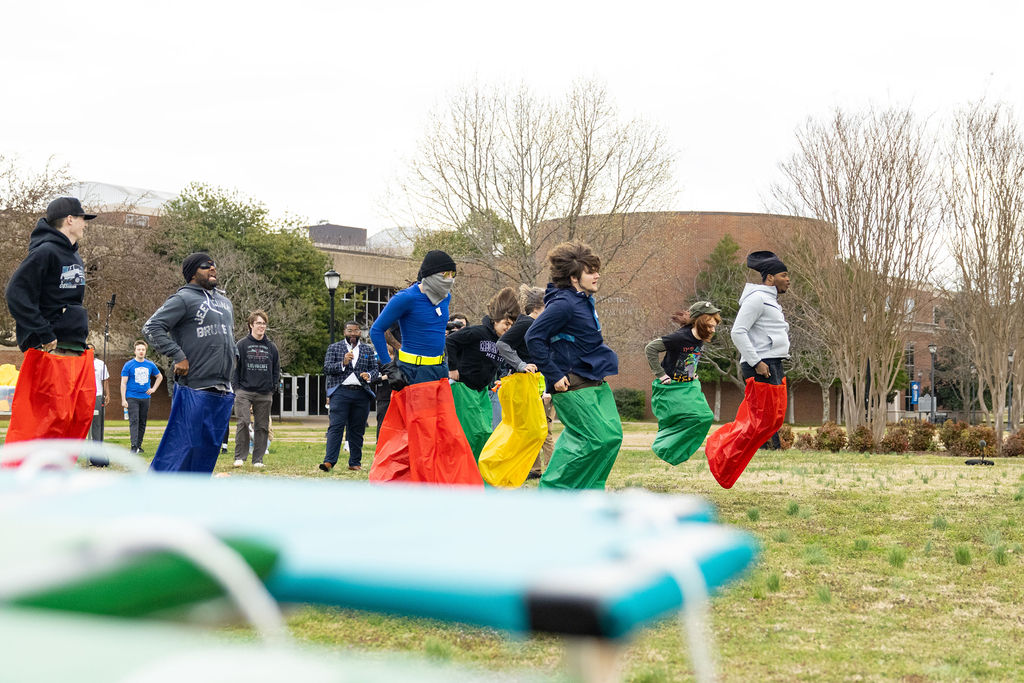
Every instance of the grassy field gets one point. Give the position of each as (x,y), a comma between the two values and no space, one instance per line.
(873,567)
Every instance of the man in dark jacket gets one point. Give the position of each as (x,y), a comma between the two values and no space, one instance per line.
(473,363)
(350,366)
(44,296)
(195,328)
(566,344)
(256,376)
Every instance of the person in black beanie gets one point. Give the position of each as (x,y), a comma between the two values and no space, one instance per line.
(761,335)
(418,440)
(45,296)
(195,328)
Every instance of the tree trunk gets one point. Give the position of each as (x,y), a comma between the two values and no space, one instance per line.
(718,400)
(790,408)
(826,404)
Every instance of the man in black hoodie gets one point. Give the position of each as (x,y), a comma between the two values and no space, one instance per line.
(473,363)
(45,296)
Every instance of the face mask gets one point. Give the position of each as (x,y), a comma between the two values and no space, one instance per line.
(436,287)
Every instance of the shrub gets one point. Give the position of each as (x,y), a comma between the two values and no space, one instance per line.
(896,439)
(805,441)
(950,432)
(1013,447)
(786,437)
(922,435)
(830,437)
(631,403)
(969,443)
(862,440)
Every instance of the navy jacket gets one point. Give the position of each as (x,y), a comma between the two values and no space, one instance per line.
(566,338)
(45,293)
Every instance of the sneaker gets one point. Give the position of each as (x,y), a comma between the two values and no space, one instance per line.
(258,465)
(134,451)
(223,448)
(239,463)
(140,449)
(326,466)
(533,475)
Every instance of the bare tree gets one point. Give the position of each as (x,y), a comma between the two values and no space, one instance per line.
(870,178)
(986,219)
(510,174)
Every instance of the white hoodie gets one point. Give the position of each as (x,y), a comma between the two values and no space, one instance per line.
(760,330)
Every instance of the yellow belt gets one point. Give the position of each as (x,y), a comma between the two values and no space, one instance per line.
(413,359)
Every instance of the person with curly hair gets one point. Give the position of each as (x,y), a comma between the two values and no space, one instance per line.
(566,344)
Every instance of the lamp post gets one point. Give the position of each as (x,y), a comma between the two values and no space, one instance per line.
(332,280)
(932,348)
(1009,409)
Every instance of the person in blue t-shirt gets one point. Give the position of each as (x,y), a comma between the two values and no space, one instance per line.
(136,388)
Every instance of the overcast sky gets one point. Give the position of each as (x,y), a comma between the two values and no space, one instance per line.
(313,107)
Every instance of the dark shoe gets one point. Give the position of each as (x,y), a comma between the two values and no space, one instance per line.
(355,468)
(140,449)
(326,466)
(533,475)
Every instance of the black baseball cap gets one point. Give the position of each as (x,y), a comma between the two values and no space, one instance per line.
(66,206)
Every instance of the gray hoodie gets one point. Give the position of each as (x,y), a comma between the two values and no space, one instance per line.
(760,330)
(198,325)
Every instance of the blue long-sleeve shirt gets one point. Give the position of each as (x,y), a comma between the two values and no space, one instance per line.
(421,322)
(566,338)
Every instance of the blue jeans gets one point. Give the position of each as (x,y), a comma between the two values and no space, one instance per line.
(350,409)
(418,374)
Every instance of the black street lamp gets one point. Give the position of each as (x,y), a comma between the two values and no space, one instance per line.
(932,348)
(332,280)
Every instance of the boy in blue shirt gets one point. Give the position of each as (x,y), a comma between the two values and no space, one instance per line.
(136,390)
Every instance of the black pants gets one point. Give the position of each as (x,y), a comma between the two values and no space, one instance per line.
(775,375)
(138,415)
(349,410)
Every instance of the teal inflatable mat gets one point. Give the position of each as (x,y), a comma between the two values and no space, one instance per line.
(579,563)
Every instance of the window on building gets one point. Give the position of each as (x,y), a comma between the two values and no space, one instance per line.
(136,220)
(373,301)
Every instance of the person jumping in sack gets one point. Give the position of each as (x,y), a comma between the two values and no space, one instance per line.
(420,438)
(761,335)
(684,416)
(473,363)
(566,344)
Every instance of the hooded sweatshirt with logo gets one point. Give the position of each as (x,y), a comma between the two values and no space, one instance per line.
(566,338)
(45,292)
(473,351)
(760,330)
(198,325)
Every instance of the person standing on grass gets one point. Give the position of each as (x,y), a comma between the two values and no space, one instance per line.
(566,344)
(256,376)
(351,367)
(684,416)
(761,335)
(136,388)
(195,328)
(55,394)
(513,349)
(473,363)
